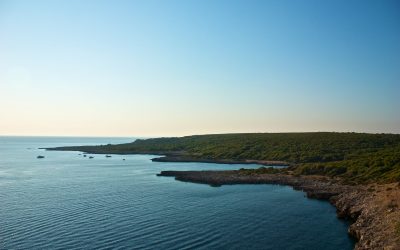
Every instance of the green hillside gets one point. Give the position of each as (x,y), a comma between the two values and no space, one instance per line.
(356,157)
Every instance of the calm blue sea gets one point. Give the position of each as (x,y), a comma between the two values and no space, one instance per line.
(66,201)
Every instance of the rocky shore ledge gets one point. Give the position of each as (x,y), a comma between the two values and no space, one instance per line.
(373,210)
(180,158)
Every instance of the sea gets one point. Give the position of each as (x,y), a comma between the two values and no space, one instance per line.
(68,201)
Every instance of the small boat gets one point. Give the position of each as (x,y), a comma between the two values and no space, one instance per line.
(91,157)
(108,156)
(40,157)
(123,159)
(84,155)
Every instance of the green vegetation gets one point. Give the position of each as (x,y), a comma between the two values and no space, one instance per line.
(355,157)
(261,170)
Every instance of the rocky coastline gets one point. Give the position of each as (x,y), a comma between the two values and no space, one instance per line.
(180,158)
(373,210)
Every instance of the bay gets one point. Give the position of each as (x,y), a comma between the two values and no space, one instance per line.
(67,201)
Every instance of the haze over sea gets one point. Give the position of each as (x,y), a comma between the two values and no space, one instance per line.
(67,201)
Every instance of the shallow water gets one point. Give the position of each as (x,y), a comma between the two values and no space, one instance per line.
(67,201)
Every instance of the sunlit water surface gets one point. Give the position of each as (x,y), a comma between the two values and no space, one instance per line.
(67,201)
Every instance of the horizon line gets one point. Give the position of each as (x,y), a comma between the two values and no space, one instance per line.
(217,133)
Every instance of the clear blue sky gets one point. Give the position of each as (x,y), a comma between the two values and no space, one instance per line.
(163,68)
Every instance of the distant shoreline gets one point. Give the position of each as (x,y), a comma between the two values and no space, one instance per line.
(174,157)
(359,158)
(167,158)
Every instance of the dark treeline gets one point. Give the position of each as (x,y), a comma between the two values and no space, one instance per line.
(356,157)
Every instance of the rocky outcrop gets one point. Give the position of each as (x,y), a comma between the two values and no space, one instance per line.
(374,210)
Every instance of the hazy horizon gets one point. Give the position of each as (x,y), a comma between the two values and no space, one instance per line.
(173,68)
(160,136)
